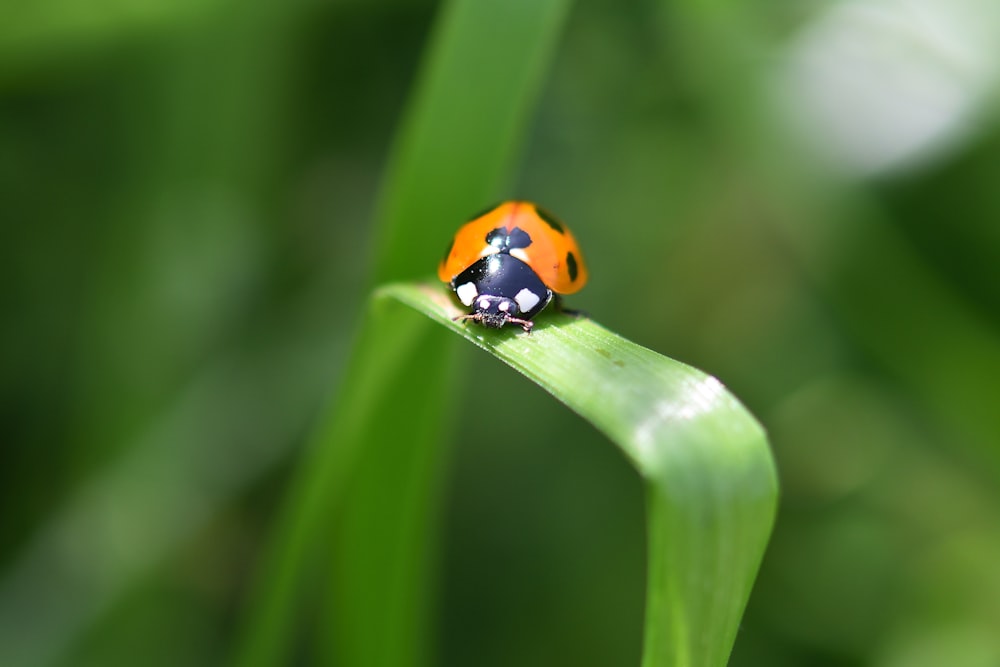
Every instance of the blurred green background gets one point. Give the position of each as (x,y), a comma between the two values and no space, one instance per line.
(799,198)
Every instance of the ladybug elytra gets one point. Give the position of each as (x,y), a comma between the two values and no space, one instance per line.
(508,263)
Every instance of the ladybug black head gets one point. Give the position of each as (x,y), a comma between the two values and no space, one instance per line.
(495,311)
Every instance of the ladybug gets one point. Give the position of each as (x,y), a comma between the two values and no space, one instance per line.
(509,262)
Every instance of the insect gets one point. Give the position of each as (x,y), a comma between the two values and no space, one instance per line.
(509,262)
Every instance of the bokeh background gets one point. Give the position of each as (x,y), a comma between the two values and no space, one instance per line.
(799,198)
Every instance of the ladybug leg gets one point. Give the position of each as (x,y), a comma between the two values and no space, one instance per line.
(478,317)
(525,324)
(557,302)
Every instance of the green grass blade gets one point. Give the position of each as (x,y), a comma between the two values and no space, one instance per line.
(382,365)
(384,519)
(485,61)
(483,70)
(711,482)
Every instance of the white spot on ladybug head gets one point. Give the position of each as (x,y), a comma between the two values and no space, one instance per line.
(467,293)
(520,254)
(484,303)
(503,306)
(526,300)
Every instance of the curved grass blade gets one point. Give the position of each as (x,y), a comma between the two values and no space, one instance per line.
(480,77)
(711,485)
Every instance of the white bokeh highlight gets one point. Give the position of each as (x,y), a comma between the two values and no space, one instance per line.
(877,85)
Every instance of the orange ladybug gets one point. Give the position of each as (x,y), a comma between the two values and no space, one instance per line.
(508,263)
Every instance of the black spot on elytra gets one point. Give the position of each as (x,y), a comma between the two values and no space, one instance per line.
(571,266)
(505,241)
(550,219)
(518,238)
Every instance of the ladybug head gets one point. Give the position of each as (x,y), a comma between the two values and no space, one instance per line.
(495,311)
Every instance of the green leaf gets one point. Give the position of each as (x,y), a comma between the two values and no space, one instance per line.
(710,479)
